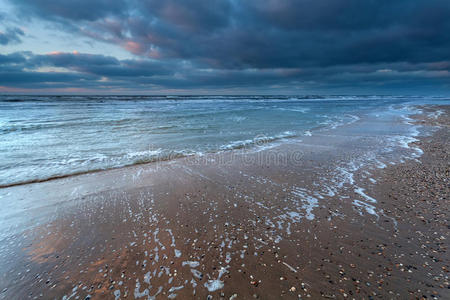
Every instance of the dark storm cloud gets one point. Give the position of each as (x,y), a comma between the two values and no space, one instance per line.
(87,71)
(12,58)
(75,10)
(270,34)
(229,43)
(92,65)
(10,35)
(25,78)
(100,65)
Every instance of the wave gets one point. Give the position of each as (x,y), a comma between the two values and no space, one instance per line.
(301,110)
(99,140)
(217,98)
(335,121)
(258,141)
(23,127)
(137,159)
(148,156)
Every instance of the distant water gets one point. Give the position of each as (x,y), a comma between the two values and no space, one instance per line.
(49,136)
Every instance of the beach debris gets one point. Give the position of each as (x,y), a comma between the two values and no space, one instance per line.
(290,267)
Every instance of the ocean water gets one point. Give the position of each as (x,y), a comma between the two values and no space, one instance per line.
(42,137)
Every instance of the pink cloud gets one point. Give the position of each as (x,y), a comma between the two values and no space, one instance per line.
(134,47)
(55,53)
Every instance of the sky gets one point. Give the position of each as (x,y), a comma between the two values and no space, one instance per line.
(225,47)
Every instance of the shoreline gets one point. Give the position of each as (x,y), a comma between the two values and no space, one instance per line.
(259,143)
(252,230)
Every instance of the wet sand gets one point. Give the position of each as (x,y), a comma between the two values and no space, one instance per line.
(278,223)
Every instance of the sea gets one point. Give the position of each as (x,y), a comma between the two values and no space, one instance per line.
(45,137)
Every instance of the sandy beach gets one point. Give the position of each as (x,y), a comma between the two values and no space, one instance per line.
(282,222)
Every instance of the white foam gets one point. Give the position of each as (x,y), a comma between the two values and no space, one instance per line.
(156,294)
(300,110)
(436,114)
(295,216)
(137,293)
(360,191)
(214,285)
(146,153)
(147,277)
(369,208)
(197,273)
(175,288)
(309,202)
(192,264)
(228,258)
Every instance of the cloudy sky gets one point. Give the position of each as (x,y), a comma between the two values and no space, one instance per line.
(225,46)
